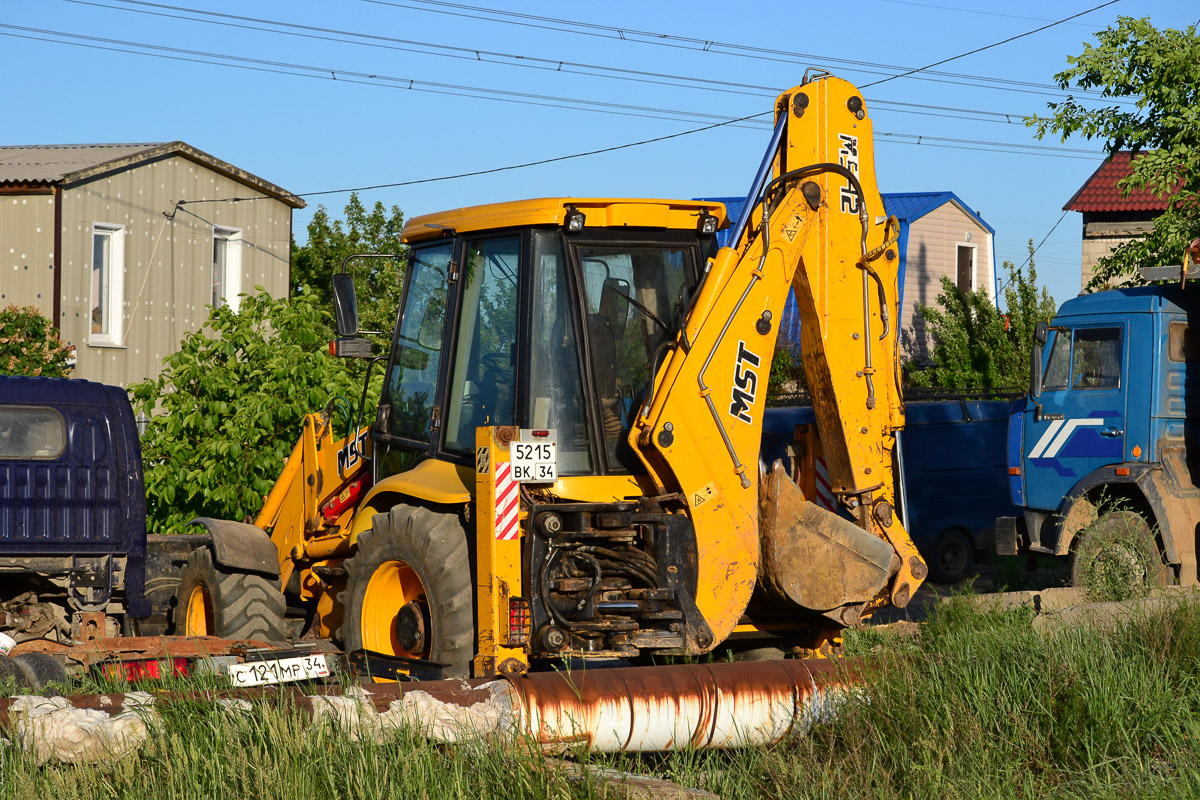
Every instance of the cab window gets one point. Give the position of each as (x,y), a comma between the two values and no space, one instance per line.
(1058,367)
(636,298)
(556,398)
(28,432)
(1097,358)
(417,352)
(482,388)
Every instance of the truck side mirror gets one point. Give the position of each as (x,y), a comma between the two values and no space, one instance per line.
(1035,370)
(1041,332)
(345,304)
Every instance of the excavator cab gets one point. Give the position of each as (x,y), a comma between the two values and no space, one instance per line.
(552,321)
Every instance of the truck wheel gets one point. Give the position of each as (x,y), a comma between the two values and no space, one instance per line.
(1117,555)
(409,591)
(233,605)
(41,670)
(952,557)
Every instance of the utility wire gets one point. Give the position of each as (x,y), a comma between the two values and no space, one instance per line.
(990,46)
(1028,258)
(681,42)
(329,73)
(508,59)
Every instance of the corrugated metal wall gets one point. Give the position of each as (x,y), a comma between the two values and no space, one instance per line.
(26,251)
(167,263)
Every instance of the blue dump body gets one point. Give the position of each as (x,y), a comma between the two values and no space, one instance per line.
(954,468)
(72,498)
(1113,425)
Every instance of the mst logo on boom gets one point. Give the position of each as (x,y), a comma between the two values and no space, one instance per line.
(848,158)
(745,383)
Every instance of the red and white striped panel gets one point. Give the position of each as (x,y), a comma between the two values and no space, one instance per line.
(508,503)
(824,492)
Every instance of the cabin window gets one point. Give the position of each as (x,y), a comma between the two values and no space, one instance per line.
(226,267)
(966,268)
(28,432)
(108,279)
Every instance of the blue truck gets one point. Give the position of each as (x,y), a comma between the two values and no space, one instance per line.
(954,483)
(1101,452)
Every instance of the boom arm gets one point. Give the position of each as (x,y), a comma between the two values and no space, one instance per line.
(818,226)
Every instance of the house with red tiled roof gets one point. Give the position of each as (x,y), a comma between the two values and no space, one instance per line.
(1110,217)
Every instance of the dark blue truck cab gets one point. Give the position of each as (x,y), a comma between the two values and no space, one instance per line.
(73,514)
(1108,432)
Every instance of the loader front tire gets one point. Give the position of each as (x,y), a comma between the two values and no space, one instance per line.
(409,591)
(212,601)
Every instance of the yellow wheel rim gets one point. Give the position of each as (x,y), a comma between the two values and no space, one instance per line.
(393,586)
(199,614)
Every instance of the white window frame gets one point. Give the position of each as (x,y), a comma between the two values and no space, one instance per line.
(232,279)
(974,263)
(113,305)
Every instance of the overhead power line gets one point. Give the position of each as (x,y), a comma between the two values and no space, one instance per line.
(418,47)
(994,44)
(676,41)
(412,84)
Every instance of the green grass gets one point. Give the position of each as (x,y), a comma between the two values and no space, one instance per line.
(976,706)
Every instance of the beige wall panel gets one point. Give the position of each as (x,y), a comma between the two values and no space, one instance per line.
(167,263)
(27,251)
(932,253)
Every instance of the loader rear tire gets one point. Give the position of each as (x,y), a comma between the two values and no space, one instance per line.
(411,571)
(211,601)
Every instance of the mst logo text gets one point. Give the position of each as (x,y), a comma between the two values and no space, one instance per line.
(745,383)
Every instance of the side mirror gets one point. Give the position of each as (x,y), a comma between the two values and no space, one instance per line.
(345,304)
(1035,370)
(1041,333)
(614,304)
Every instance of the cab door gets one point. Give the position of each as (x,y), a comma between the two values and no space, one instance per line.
(1081,425)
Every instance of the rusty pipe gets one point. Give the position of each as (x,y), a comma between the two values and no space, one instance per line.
(624,709)
(647,709)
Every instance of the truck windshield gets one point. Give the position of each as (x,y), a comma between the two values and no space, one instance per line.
(635,303)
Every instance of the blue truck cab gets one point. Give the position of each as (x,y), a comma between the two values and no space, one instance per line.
(1108,427)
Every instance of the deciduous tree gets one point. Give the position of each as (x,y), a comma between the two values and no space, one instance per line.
(331,241)
(1151,77)
(976,346)
(227,407)
(29,345)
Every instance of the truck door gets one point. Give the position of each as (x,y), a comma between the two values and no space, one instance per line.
(1082,421)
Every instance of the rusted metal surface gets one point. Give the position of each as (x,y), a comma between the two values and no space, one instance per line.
(634,709)
(647,709)
(96,651)
(814,558)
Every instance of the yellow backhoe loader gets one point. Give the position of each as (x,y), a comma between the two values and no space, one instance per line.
(564,462)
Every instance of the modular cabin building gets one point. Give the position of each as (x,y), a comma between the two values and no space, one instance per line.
(125,246)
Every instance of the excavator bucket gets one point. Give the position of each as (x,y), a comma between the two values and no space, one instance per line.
(812,557)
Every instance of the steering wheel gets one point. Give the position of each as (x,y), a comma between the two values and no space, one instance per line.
(498,364)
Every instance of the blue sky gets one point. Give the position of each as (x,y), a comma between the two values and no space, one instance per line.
(351,93)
